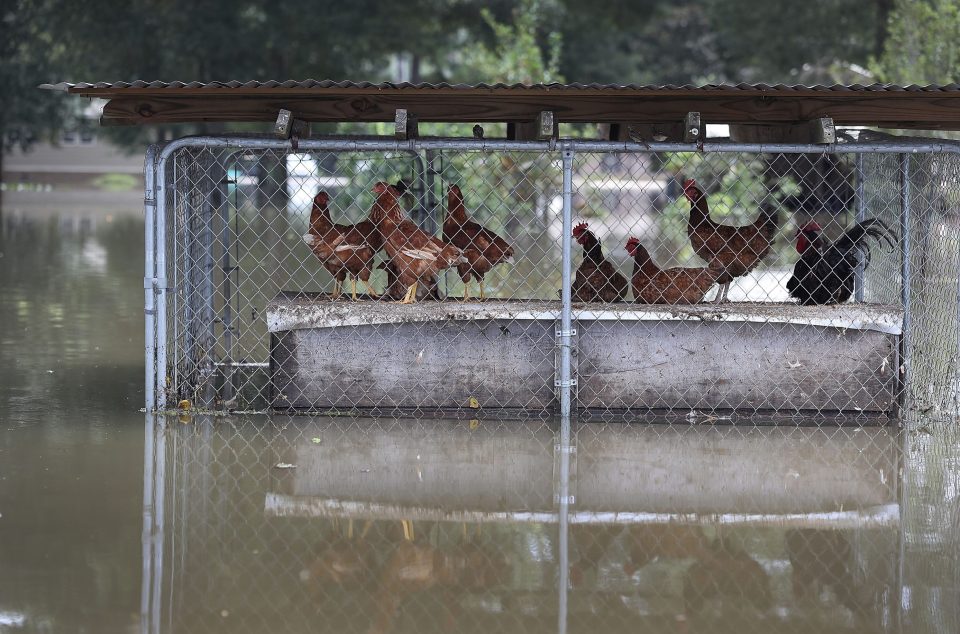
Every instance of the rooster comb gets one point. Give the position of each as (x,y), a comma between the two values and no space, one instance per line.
(632,241)
(322,195)
(690,182)
(580,228)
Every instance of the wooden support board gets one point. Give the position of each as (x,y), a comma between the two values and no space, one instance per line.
(439,355)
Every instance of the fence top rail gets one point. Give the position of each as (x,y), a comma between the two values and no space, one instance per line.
(386,144)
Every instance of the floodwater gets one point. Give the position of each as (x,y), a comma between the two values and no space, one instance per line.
(301,524)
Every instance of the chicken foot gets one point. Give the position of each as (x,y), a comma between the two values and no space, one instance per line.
(370,291)
(722,292)
(336,290)
(411,295)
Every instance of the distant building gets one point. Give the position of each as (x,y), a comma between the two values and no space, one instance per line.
(77,158)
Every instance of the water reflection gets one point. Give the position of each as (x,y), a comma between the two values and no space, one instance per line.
(389,526)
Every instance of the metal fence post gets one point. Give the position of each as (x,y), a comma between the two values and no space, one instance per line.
(157,528)
(149,276)
(566,382)
(861,215)
(146,535)
(160,283)
(905,272)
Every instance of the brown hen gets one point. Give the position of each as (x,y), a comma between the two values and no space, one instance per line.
(416,256)
(653,285)
(342,249)
(483,248)
(738,250)
(597,280)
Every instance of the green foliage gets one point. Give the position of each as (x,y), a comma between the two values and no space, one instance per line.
(516,55)
(922,46)
(116,183)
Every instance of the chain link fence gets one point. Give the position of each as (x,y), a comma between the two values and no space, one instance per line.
(403,525)
(248,310)
(434,489)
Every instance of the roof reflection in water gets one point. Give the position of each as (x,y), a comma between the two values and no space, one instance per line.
(361,525)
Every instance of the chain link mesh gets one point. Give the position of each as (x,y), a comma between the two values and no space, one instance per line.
(256,320)
(757,492)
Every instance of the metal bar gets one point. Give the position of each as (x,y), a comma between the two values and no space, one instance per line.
(346,144)
(227,270)
(149,275)
(160,285)
(146,532)
(566,308)
(159,488)
(861,204)
(905,270)
(563,513)
(566,387)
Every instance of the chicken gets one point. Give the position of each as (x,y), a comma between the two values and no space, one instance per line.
(596,280)
(483,248)
(342,249)
(820,558)
(646,542)
(346,561)
(416,567)
(416,256)
(825,271)
(738,250)
(653,285)
(728,573)
(394,290)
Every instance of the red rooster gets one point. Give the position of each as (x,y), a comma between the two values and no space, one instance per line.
(342,249)
(738,250)
(415,255)
(483,248)
(653,285)
(597,280)
(824,272)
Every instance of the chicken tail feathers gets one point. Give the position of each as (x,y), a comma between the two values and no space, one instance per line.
(855,239)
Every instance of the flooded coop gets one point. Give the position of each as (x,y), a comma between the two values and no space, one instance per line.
(402,362)
(533,269)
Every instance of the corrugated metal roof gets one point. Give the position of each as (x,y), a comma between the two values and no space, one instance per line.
(156,102)
(328,83)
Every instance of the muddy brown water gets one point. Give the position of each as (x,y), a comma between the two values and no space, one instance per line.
(310,524)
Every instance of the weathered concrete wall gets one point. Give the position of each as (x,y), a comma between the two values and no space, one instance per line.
(735,365)
(437,355)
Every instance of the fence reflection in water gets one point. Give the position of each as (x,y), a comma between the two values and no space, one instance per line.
(373,525)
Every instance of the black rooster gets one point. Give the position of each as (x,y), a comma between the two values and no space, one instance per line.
(824,272)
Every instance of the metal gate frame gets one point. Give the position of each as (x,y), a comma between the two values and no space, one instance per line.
(158,162)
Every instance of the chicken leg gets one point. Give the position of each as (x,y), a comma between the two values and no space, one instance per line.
(466,291)
(481,288)
(336,289)
(407,530)
(722,291)
(411,295)
(353,284)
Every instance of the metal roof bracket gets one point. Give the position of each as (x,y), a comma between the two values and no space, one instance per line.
(692,128)
(406,128)
(289,127)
